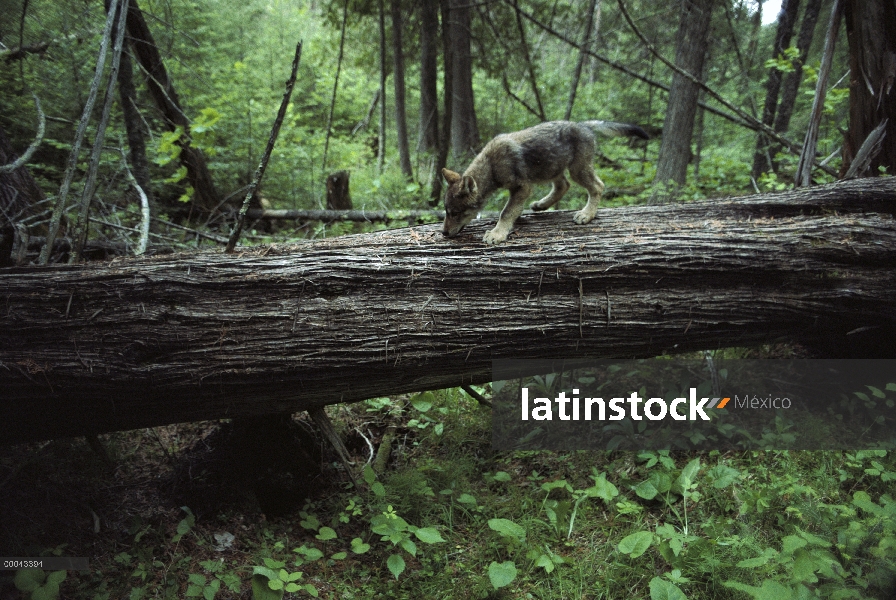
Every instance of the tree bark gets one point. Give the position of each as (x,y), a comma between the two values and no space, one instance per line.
(872,92)
(678,127)
(786,22)
(429,75)
(149,341)
(162,91)
(464,129)
(401,119)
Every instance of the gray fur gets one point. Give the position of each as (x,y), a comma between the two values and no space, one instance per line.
(517,160)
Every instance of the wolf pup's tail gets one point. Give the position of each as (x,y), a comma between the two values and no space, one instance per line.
(611,129)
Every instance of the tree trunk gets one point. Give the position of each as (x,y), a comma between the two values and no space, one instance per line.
(134,127)
(429,74)
(381,138)
(401,119)
(786,22)
(144,342)
(435,195)
(678,127)
(162,91)
(872,93)
(792,81)
(338,197)
(593,8)
(464,130)
(19,194)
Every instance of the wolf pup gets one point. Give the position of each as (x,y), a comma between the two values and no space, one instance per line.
(517,160)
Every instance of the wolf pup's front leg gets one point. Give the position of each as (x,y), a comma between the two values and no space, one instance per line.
(512,210)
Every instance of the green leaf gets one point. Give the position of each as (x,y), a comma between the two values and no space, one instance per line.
(723,476)
(28,580)
(339,556)
(554,485)
(359,547)
(428,535)
(636,544)
(261,591)
(309,554)
(502,476)
(501,574)
(396,565)
(423,402)
(507,528)
(326,533)
(544,561)
(660,589)
(311,590)
(369,475)
(763,559)
(646,490)
(791,543)
(409,546)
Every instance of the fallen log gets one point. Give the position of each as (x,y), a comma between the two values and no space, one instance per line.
(140,342)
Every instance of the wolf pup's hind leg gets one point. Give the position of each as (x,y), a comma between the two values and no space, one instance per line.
(586,178)
(558,190)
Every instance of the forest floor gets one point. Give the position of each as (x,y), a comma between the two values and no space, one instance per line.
(219,509)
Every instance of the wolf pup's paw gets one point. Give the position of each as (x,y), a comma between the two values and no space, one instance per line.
(581,217)
(494,237)
(539,205)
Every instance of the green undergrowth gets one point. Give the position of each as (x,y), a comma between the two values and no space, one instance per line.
(447,518)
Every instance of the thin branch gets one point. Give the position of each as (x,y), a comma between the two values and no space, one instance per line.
(81,225)
(335,84)
(530,69)
(804,167)
(144,204)
(59,208)
(259,172)
(26,156)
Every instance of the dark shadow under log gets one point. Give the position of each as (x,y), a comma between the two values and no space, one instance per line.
(143,342)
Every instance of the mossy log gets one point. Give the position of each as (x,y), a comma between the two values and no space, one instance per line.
(133,343)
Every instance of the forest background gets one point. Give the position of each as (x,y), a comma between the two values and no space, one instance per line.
(510,66)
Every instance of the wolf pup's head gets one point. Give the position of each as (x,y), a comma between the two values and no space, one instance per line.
(462,202)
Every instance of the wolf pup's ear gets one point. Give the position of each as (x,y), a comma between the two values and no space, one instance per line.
(468,186)
(450,176)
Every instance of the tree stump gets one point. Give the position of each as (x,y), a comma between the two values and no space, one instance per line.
(338,197)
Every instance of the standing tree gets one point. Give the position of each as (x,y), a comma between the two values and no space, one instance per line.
(381,150)
(794,77)
(593,8)
(691,43)
(872,91)
(401,125)
(429,100)
(464,130)
(786,21)
(133,124)
(163,94)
